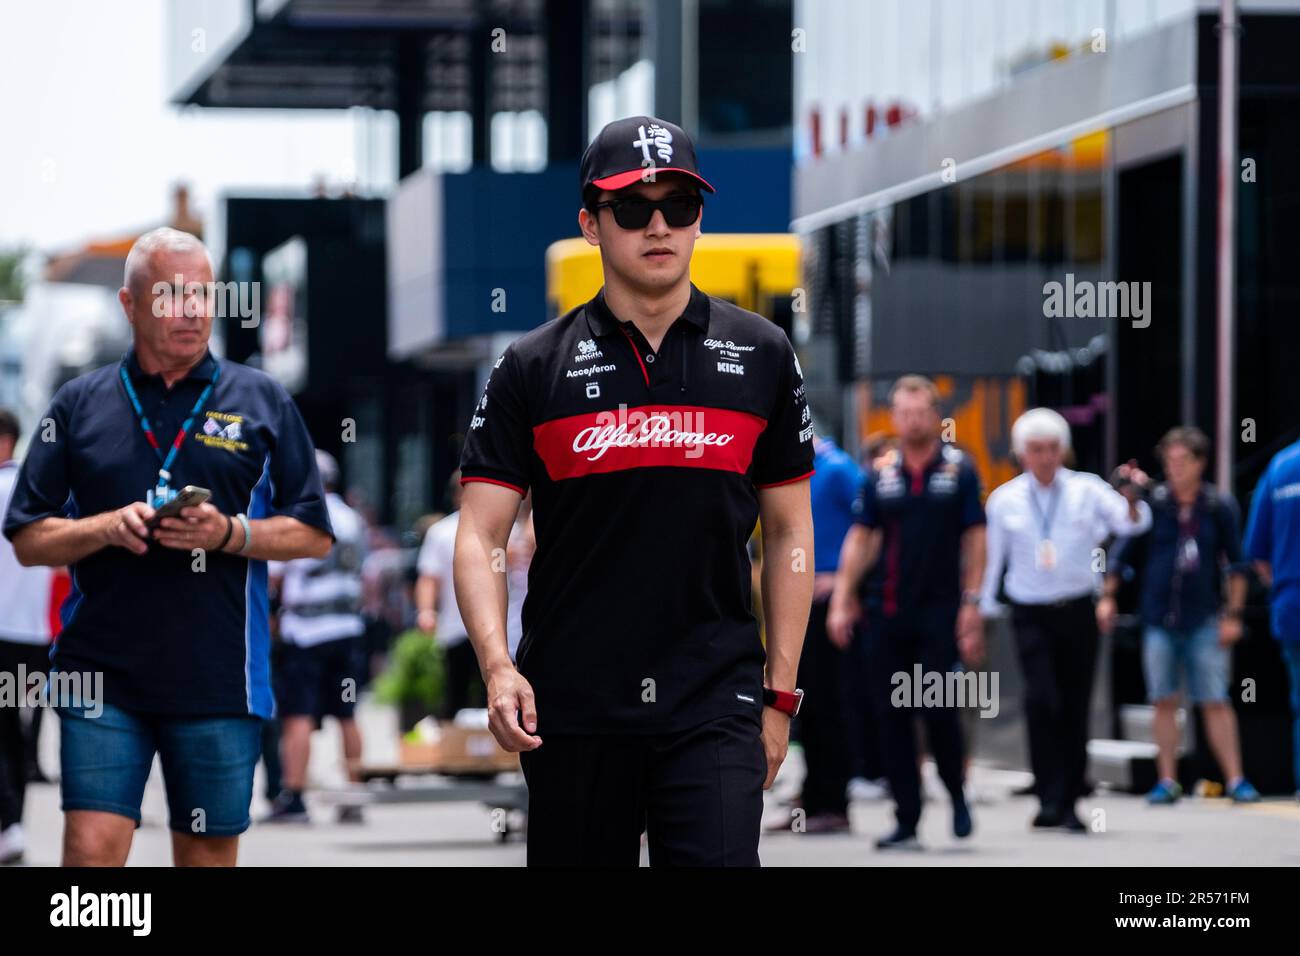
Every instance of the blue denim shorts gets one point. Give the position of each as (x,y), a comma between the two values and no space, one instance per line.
(207,766)
(1168,654)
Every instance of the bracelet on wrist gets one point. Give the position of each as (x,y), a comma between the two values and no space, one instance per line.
(248,533)
(230,529)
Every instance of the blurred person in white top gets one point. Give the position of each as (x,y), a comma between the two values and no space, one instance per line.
(323,664)
(437,613)
(1046,527)
(24,652)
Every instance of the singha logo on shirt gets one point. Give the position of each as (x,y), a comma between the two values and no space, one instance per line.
(587,351)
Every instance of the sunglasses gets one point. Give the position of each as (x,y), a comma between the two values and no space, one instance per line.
(679,211)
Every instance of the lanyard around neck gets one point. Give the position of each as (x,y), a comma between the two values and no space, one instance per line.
(1045,519)
(165,461)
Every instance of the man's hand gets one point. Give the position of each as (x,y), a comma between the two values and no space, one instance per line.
(1138,481)
(1230,630)
(124,528)
(776,741)
(1107,611)
(427,621)
(199,526)
(510,703)
(841,615)
(970,635)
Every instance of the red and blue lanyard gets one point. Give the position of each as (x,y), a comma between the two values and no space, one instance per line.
(164,472)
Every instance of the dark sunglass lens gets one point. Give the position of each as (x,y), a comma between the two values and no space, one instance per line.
(632,213)
(681,211)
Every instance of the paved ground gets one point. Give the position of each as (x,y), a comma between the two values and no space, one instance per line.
(1193,833)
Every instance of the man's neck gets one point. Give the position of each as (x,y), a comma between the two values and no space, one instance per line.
(917,456)
(171,370)
(1044,485)
(650,314)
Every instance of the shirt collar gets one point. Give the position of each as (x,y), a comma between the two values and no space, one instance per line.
(602,321)
(204,371)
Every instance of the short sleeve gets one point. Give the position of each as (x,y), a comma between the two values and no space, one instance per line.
(499,442)
(864,506)
(433,560)
(1259,528)
(1229,525)
(784,451)
(972,511)
(42,487)
(296,485)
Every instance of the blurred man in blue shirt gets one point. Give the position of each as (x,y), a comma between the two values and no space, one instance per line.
(1273,542)
(824,668)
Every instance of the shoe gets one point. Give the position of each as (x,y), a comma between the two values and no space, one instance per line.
(860,788)
(1046,819)
(349,814)
(287,808)
(828,823)
(1243,792)
(1164,792)
(12,844)
(900,839)
(1071,823)
(962,824)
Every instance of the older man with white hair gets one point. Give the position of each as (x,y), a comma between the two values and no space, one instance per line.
(168,621)
(1046,527)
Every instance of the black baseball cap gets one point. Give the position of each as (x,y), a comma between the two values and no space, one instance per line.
(623,151)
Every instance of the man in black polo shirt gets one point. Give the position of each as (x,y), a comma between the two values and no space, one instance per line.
(173,619)
(920,532)
(654,425)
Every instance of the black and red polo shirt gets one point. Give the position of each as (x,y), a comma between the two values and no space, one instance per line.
(644,468)
(923,515)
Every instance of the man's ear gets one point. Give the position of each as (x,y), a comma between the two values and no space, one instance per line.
(589,225)
(124,298)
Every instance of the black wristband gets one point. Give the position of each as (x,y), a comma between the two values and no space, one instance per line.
(230,529)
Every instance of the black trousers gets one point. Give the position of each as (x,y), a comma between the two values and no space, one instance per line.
(464,682)
(825,676)
(33,658)
(1057,647)
(925,636)
(698,795)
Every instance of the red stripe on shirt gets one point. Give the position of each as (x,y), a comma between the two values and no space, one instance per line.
(684,436)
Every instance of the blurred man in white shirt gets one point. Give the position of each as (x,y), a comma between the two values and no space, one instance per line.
(322,664)
(24,652)
(1046,527)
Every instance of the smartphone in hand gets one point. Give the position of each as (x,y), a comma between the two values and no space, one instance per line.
(190,496)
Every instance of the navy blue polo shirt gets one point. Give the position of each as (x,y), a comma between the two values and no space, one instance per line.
(922,516)
(1184,597)
(645,467)
(170,639)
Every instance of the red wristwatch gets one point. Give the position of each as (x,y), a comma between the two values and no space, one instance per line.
(785,701)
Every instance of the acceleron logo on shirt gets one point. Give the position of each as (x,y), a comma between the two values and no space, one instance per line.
(223,430)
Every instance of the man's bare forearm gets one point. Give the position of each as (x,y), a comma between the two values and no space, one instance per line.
(858,555)
(481,591)
(973,541)
(51,542)
(281,538)
(787,600)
